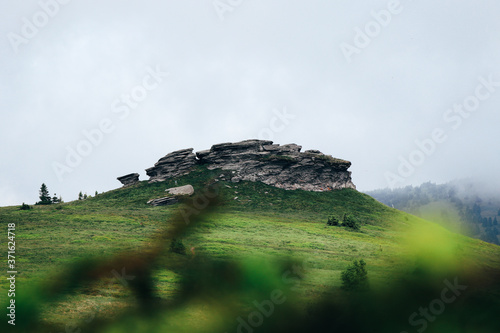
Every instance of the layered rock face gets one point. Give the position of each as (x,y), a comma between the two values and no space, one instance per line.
(130,179)
(165,201)
(177,163)
(260,160)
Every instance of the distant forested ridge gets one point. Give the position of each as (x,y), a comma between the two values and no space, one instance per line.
(462,206)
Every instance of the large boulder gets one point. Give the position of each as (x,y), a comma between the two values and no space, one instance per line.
(181,190)
(130,179)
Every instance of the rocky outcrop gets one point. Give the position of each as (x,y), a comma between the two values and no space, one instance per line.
(175,164)
(130,179)
(260,160)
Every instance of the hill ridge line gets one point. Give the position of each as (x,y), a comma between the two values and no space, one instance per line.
(282,166)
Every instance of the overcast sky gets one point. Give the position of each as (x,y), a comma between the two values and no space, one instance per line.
(92,90)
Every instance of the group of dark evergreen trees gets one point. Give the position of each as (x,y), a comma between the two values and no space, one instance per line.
(45,198)
(83,196)
(485,227)
(475,211)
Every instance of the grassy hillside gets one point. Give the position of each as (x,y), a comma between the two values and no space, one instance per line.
(251,240)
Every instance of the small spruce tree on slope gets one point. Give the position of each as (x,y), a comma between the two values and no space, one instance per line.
(45,198)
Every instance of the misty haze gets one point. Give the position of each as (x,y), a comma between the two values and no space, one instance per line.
(250,166)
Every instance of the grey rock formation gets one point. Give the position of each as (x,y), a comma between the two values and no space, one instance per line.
(162,201)
(175,164)
(181,190)
(260,160)
(130,179)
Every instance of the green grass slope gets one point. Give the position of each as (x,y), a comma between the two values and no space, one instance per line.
(256,228)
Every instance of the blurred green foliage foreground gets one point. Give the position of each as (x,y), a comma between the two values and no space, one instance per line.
(244,258)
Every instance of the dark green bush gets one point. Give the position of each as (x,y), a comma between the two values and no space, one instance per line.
(333,221)
(177,246)
(350,222)
(355,277)
(25,207)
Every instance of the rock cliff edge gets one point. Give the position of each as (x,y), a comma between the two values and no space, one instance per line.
(261,161)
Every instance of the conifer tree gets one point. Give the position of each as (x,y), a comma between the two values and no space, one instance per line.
(45,198)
